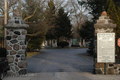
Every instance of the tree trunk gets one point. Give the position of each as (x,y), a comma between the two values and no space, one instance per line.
(51,43)
(57,41)
(82,41)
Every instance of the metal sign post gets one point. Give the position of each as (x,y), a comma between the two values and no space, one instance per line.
(5,22)
(105,49)
(105,68)
(5,17)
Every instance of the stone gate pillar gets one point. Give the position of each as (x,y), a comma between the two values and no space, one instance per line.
(16,45)
(104,25)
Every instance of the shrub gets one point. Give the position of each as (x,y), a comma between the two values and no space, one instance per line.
(35,42)
(62,44)
(75,45)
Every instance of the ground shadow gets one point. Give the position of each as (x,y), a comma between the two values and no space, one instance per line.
(60,61)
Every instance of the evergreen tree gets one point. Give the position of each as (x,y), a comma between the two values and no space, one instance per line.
(87,32)
(51,18)
(36,42)
(114,14)
(51,13)
(97,6)
(91,36)
(64,26)
(118,24)
(1,31)
(37,26)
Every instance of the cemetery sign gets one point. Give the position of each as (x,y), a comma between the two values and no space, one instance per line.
(105,47)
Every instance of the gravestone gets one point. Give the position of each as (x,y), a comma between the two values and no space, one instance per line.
(105,46)
(16,45)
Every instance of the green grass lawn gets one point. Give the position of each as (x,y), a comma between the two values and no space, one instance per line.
(30,54)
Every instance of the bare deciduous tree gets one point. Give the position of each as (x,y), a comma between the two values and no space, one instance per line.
(35,5)
(77,11)
(34,12)
(11,4)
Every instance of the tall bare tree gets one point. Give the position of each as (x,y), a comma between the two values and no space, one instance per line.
(11,4)
(77,11)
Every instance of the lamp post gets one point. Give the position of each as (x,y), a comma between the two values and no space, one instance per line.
(5,22)
(20,8)
(5,17)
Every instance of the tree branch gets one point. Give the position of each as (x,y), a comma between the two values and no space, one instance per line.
(32,14)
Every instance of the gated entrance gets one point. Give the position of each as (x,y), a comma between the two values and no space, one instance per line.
(16,46)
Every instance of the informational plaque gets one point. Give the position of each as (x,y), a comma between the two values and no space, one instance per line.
(105,47)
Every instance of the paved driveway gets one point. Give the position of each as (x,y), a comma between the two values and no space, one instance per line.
(60,60)
(62,64)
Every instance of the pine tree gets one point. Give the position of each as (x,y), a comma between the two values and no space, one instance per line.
(118,24)
(36,42)
(87,32)
(64,26)
(114,14)
(51,18)
(97,6)
(51,13)
(1,31)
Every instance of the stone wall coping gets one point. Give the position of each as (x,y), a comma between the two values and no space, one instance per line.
(101,25)
(18,26)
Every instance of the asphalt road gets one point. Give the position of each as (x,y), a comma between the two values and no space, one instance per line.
(61,60)
(61,64)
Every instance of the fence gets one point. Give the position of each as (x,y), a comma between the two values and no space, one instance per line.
(2,49)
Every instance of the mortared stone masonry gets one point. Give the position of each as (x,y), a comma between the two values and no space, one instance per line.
(16,45)
(104,25)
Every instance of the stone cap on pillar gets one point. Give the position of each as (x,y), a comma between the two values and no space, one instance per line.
(104,21)
(104,13)
(16,22)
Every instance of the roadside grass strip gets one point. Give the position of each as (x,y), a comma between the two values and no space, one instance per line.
(30,54)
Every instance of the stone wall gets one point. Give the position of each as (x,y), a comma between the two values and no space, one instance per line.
(16,46)
(111,68)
